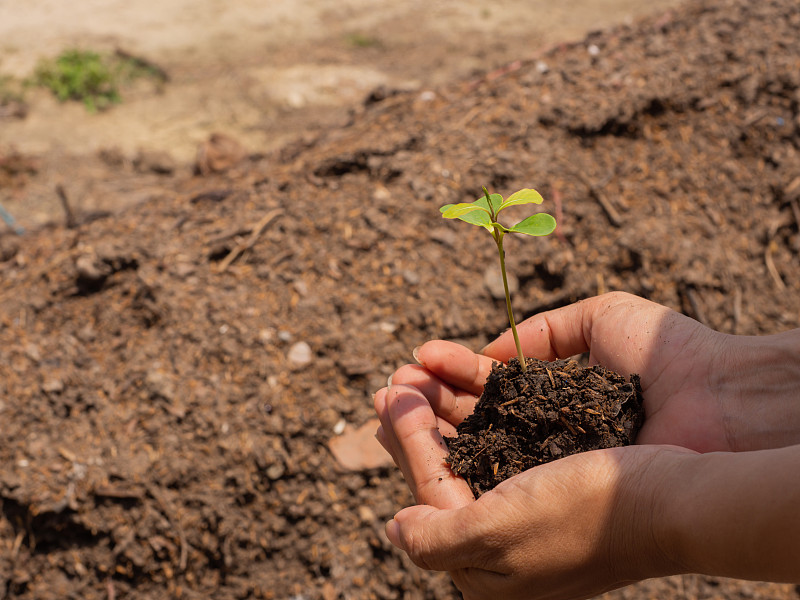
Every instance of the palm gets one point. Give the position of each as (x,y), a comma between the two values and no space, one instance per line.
(671,355)
(626,334)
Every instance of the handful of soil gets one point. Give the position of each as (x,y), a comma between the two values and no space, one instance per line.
(554,410)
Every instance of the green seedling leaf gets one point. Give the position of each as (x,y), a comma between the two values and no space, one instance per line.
(526,196)
(538,224)
(500,227)
(470,212)
(497,201)
(456,211)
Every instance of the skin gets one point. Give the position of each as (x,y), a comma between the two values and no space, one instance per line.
(707,488)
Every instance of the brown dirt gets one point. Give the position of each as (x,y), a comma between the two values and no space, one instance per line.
(552,410)
(163,434)
(265,72)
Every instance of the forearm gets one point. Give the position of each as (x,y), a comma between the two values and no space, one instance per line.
(757,380)
(734,514)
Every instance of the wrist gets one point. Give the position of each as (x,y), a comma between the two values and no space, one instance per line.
(732,514)
(757,383)
(644,542)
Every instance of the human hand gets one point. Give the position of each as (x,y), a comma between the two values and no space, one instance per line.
(568,529)
(590,522)
(702,389)
(671,353)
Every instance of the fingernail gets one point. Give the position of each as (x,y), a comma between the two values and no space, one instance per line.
(415,354)
(381,437)
(389,381)
(392,530)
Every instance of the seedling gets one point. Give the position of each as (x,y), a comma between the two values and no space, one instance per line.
(483,213)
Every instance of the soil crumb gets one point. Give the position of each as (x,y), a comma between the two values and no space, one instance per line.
(551,411)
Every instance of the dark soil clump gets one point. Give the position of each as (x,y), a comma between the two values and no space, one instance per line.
(554,410)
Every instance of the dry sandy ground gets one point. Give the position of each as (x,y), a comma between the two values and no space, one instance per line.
(266,71)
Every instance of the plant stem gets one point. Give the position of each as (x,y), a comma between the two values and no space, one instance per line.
(498,238)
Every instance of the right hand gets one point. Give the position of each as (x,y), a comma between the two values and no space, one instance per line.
(702,389)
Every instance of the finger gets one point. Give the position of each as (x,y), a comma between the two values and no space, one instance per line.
(558,333)
(422,451)
(441,540)
(450,403)
(384,442)
(446,429)
(385,433)
(571,329)
(455,365)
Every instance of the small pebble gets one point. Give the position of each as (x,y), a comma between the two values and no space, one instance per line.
(366,514)
(338,429)
(300,354)
(275,471)
(53,386)
(387,327)
(410,277)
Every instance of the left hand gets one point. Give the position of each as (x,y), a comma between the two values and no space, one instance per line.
(572,528)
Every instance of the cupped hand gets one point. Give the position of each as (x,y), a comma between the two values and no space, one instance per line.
(673,355)
(590,522)
(568,529)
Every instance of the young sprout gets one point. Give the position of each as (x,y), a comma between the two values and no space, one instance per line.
(483,212)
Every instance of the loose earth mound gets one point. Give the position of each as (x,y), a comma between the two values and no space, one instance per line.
(170,376)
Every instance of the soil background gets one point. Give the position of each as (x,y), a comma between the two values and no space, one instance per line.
(264,73)
(186,359)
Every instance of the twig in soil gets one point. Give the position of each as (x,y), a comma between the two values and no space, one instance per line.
(754,117)
(17,545)
(496,74)
(255,233)
(470,116)
(479,452)
(603,380)
(771,268)
(795,210)
(601,283)
(69,216)
(566,424)
(552,381)
(594,191)
(794,184)
(556,193)
(692,297)
(168,513)
(737,309)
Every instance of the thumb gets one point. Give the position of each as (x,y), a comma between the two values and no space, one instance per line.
(435,539)
(455,364)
